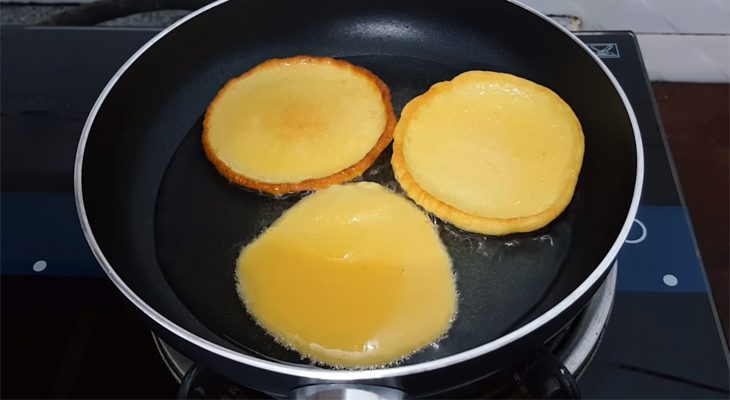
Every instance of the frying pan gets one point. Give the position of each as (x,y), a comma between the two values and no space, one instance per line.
(167,228)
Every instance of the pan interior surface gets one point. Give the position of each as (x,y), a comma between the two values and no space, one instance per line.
(172,227)
(499,279)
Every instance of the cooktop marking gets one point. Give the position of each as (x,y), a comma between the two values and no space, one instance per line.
(670,280)
(641,237)
(40,265)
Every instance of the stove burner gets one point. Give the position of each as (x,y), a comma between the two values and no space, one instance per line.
(574,347)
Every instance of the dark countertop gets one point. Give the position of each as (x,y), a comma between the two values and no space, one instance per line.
(696,119)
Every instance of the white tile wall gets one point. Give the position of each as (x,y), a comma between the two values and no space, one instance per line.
(681,40)
(645,16)
(686,58)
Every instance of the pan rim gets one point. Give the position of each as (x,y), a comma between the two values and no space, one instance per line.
(353,375)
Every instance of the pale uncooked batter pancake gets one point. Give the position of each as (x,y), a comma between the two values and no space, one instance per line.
(351,276)
(298,124)
(489,152)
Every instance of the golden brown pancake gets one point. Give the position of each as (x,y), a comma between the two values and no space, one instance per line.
(489,152)
(298,124)
(351,276)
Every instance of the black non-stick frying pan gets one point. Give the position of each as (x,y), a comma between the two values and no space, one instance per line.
(167,227)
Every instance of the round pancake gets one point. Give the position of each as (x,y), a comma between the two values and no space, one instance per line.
(298,124)
(489,152)
(351,276)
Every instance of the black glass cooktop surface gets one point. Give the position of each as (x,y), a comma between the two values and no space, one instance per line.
(67,331)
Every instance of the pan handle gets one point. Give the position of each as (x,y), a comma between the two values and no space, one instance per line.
(548,378)
(343,391)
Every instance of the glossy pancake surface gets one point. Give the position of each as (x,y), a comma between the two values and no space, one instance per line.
(489,152)
(297,124)
(351,276)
